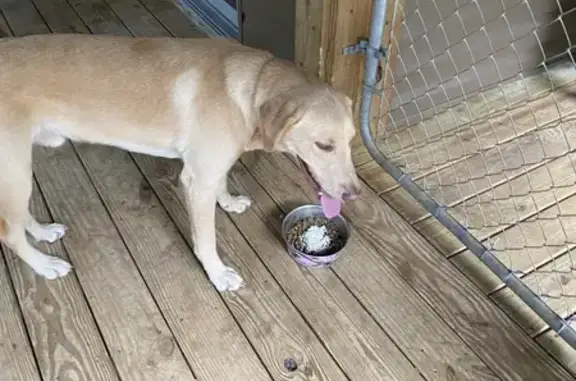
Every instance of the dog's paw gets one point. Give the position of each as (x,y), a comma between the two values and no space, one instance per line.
(235,204)
(227,280)
(50,267)
(49,232)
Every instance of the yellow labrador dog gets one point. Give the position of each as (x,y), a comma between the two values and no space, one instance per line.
(204,101)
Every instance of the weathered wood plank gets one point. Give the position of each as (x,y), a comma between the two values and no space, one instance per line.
(62,330)
(440,353)
(4,28)
(484,279)
(527,195)
(556,283)
(63,333)
(193,308)
(136,334)
(209,359)
(22,17)
(99,17)
(509,352)
(129,320)
(172,18)
(514,307)
(314,358)
(308,35)
(17,361)
(133,12)
(360,154)
(362,348)
(526,247)
(560,349)
(266,315)
(59,16)
(478,175)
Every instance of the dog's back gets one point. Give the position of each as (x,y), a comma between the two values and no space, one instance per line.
(106,89)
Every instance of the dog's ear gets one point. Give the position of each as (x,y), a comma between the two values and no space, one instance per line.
(276,117)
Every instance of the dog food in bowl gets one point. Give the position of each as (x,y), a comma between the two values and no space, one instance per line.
(312,239)
(316,236)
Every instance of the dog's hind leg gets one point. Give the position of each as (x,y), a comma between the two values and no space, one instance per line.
(15,218)
(46,232)
(14,236)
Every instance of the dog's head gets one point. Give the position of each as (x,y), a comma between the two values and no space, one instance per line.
(314,123)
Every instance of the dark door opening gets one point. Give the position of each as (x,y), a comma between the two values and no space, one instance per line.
(264,24)
(220,15)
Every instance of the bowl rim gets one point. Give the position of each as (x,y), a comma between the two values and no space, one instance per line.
(312,256)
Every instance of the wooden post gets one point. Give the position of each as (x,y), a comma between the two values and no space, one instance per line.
(308,35)
(323,28)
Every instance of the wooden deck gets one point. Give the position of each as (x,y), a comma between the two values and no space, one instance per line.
(139,307)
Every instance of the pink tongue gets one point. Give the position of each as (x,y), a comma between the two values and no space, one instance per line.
(330,206)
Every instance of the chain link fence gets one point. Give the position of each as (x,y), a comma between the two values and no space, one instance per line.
(477,107)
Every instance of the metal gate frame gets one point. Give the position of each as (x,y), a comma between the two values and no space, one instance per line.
(373,51)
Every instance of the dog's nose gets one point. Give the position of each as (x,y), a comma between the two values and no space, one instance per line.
(352,193)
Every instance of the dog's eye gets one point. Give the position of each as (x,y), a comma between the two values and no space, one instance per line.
(325,147)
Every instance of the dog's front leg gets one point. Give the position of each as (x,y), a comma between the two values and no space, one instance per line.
(201,195)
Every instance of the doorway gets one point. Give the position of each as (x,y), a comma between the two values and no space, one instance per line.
(264,24)
(221,16)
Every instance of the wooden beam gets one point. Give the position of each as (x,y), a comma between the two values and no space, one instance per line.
(308,34)
(324,27)
(344,22)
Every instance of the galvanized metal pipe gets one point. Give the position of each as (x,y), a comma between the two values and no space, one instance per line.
(555,321)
